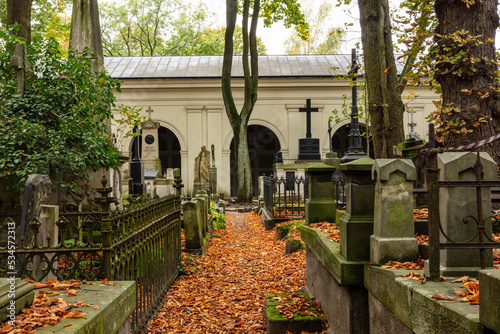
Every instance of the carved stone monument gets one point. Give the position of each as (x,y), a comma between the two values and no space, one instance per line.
(309,147)
(202,170)
(150,148)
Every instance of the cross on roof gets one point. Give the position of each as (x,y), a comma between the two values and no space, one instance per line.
(149,111)
(308,110)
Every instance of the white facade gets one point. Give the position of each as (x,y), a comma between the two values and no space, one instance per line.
(193,109)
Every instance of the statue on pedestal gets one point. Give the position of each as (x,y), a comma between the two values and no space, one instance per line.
(202,166)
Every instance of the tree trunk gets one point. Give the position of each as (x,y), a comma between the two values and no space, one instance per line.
(466,71)
(19,12)
(239,122)
(384,100)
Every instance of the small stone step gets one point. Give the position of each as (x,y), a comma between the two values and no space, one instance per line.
(278,324)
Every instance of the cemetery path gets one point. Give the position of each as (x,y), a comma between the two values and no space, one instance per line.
(226,292)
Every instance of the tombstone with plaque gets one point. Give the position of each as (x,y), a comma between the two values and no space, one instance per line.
(309,147)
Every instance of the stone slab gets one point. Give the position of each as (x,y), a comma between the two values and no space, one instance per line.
(411,303)
(116,303)
(345,307)
(489,290)
(23,297)
(277,324)
(346,273)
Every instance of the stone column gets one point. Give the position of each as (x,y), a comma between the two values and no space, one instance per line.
(456,203)
(192,226)
(320,205)
(202,195)
(393,230)
(150,148)
(356,225)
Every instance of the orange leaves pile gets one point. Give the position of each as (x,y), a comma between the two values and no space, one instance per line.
(422,239)
(291,304)
(496,258)
(470,294)
(226,292)
(45,312)
(331,228)
(420,213)
(417,265)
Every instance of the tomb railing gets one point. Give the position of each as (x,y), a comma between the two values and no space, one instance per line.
(284,197)
(141,243)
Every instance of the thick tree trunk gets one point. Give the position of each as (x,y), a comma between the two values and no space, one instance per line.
(466,71)
(384,100)
(239,122)
(19,12)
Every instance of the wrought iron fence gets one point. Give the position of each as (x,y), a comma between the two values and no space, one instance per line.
(284,197)
(480,240)
(141,243)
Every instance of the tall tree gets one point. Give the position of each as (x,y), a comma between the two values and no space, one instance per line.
(466,69)
(19,12)
(151,27)
(384,100)
(272,10)
(211,42)
(322,39)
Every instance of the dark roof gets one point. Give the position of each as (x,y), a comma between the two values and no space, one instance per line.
(195,67)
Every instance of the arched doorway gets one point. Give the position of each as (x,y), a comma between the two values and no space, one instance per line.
(340,140)
(169,149)
(262,146)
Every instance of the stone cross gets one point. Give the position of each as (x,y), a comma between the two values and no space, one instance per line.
(149,111)
(308,110)
(17,61)
(412,126)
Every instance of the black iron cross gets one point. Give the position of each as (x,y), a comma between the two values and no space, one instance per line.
(308,110)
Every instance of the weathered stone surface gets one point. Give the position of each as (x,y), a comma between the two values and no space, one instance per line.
(456,203)
(320,206)
(193,229)
(115,307)
(489,290)
(393,230)
(411,303)
(277,324)
(356,225)
(346,307)
(382,320)
(11,305)
(37,191)
(326,251)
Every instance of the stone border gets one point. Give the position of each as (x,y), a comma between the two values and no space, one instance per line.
(489,291)
(410,302)
(327,251)
(116,303)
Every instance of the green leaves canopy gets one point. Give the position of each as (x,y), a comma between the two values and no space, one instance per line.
(58,125)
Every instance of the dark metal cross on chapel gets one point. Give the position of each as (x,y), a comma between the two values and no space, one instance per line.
(308,110)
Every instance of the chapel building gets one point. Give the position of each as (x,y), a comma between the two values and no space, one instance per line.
(181,98)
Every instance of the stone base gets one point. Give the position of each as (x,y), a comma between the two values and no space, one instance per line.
(382,320)
(24,296)
(395,249)
(355,233)
(345,307)
(320,211)
(277,324)
(454,271)
(490,295)
(292,246)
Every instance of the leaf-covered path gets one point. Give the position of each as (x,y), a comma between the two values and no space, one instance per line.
(226,292)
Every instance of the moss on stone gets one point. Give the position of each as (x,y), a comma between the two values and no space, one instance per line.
(271,301)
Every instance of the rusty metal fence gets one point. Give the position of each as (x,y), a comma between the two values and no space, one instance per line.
(284,197)
(141,243)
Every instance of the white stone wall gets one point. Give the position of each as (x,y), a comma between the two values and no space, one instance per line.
(194,110)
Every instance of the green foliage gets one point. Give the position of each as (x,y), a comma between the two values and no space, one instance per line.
(218,218)
(188,264)
(152,27)
(211,42)
(58,124)
(322,39)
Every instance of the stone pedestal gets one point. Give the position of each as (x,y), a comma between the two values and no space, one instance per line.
(309,149)
(150,148)
(320,206)
(193,229)
(356,225)
(393,230)
(456,203)
(15,294)
(213,180)
(332,159)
